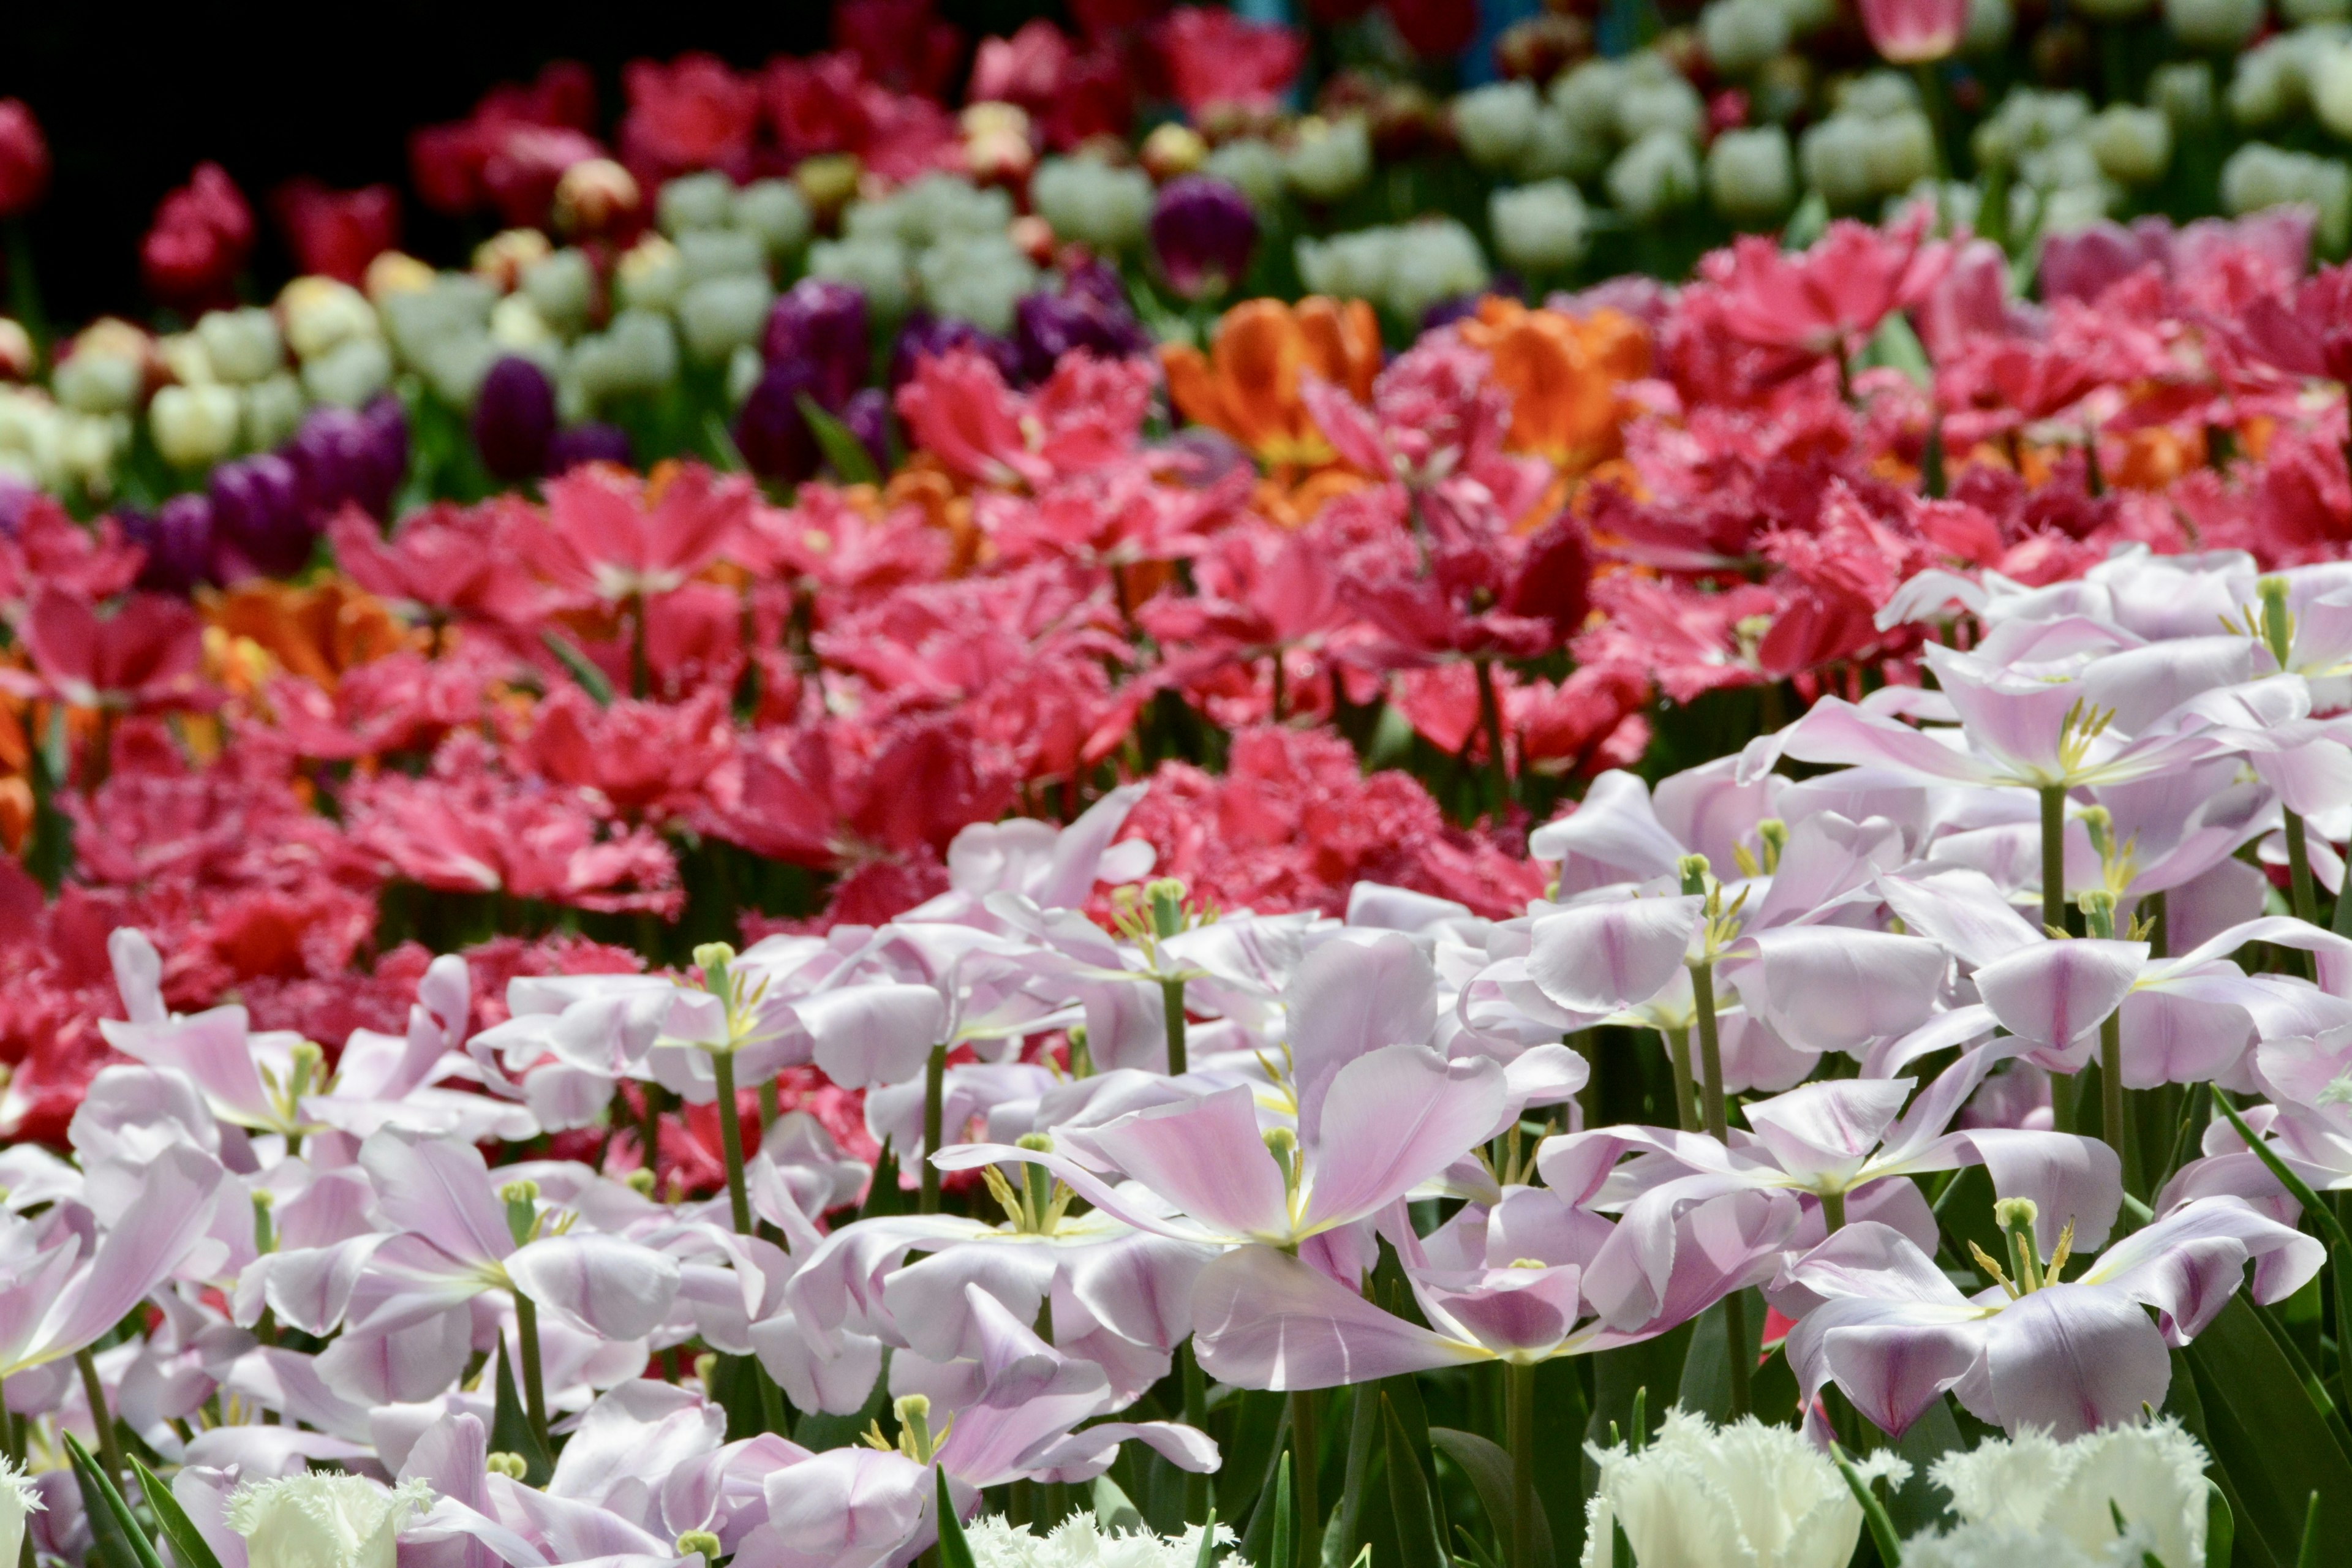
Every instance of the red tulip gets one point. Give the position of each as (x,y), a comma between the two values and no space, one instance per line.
(337,233)
(24,159)
(202,234)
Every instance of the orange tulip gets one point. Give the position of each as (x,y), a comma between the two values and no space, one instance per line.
(1247,384)
(316,633)
(1563,376)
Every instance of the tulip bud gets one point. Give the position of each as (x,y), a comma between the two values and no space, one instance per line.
(2184,90)
(257,513)
(2213,27)
(19,359)
(1654,176)
(514,420)
(560,289)
(776,212)
(1664,102)
(24,167)
(321,313)
(827,182)
(596,197)
(350,373)
(1539,229)
(1092,203)
(242,344)
(97,380)
(2133,145)
(321,1520)
(1202,234)
(976,278)
(1989,24)
(1330,158)
(1173,149)
(500,260)
(650,275)
(2258,175)
(178,539)
(1741,35)
(706,200)
(637,355)
(396,272)
(997,150)
(640,1181)
(1802,1517)
(1751,176)
(719,315)
(194,426)
(1253,166)
(1494,123)
(875,265)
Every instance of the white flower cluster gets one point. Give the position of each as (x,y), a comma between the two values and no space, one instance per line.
(1401,268)
(2113,1499)
(1092,203)
(1877,145)
(1080,1542)
(941,242)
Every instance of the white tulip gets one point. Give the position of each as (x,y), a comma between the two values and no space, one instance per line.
(349,373)
(2258,175)
(1586,95)
(17,1499)
(776,212)
(1252,165)
(1496,122)
(1561,148)
(1331,157)
(184,355)
(97,382)
(929,210)
(31,433)
(321,313)
(194,426)
(1988,28)
(323,1520)
(1654,176)
(1539,227)
(1750,174)
(1878,95)
(1741,35)
(1088,200)
(719,315)
(2213,26)
(2184,90)
(1836,157)
(1901,152)
(976,279)
(1434,260)
(636,355)
(559,288)
(650,275)
(243,345)
(2133,145)
(876,265)
(1667,103)
(706,253)
(2268,84)
(1991,1546)
(2153,1476)
(88,447)
(1747,1496)
(516,326)
(273,411)
(1079,1541)
(2302,12)
(706,200)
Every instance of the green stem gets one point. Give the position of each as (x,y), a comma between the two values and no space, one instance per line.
(1685,1096)
(1833,1212)
(2155,910)
(935,1075)
(110,1447)
(1931,98)
(1711,1052)
(1198,1498)
(1743,1363)
(25,288)
(534,1385)
(2298,865)
(1519,1419)
(1171,1003)
(2053,856)
(1499,764)
(2111,1100)
(1304,1477)
(769,1107)
(731,1141)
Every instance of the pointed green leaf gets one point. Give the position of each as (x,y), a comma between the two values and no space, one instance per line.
(2221,1528)
(1488,1466)
(1284,1557)
(1115,1513)
(179,1532)
(1419,1544)
(955,1552)
(510,1429)
(2271,1449)
(1207,1557)
(1874,1512)
(115,1530)
(845,454)
(582,668)
(883,1195)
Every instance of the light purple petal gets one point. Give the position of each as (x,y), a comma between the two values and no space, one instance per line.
(2069,1359)
(871,1034)
(1205,1157)
(440,1191)
(1348,999)
(1264,1319)
(1392,1121)
(604,1284)
(1604,956)
(2056,991)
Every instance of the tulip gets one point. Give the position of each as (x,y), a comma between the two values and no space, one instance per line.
(821,324)
(1083,315)
(2145,1483)
(323,1520)
(590,441)
(259,516)
(1539,229)
(514,420)
(1913,32)
(1203,233)
(24,160)
(773,431)
(178,539)
(201,239)
(194,426)
(1698,1497)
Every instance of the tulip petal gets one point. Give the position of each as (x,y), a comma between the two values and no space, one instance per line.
(1392,1121)
(1599,958)
(1265,1319)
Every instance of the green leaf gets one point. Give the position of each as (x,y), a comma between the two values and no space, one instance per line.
(1874,1512)
(1208,1554)
(2309,1556)
(1706,1385)
(1262,1429)
(1559,1439)
(1283,1556)
(1419,1544)
(179,1532)
(955,1552)
(735,1389)
(1488,1466)
(882,1194)
(1618,1375)
(845,454)
(120,1543)
(1114,1512)
(2221,1528)
(510,1430)
(2272,1448)
(583,669)
(818,1431)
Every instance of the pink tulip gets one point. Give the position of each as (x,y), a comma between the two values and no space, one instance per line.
(1914,32)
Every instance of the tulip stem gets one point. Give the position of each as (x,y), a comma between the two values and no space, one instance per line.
(1711,1052)
(1499,764)
(110,1447)
(2111,1099)
(534,1385)
(1171,1003)
(1519,1419)
(2053,856)
(1198,1499)
(935,1078)
(1303,1444)
(731,1141)
(2298,865)
(1685,1096)
(1832,1212)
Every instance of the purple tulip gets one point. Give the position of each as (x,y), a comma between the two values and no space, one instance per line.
(867,416)
(772,432)
(925,334)
(514,420)
(821,323)
(592,441)
(262,521)
(1204,232)
(178,539)
(1047,326)
(346,457)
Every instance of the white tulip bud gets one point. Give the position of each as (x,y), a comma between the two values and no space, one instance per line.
(2184,90)
(976,279)
(1901,152)
(1670,105)
(183,354)
(2268,84)
(2133,145)
(321,1520)
(1654,176)
(1988,28)
(321,313)
(95,382)
(1588,95)
(1751,176)
(929,210)
(719,315)
(194,426)
(1559,150)
(2213,26)
(636,355)
(1252,165)
(650,275)
(706,253)
(88,447)
(243,344)
(1351,266)
(349,373)
(1539,228)
(2259,175)
(1740,35)
(1088,200)
(1494,123)
(1836,156)
(1432,261)
(776,212)
(744,368)
(2080,1497)
(2327,71)
(273,411)
(31,432)
(706,200)
(1748,1493)
(1878,95)
(875,265)
(1331,158)
(454,365)
(560,288)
